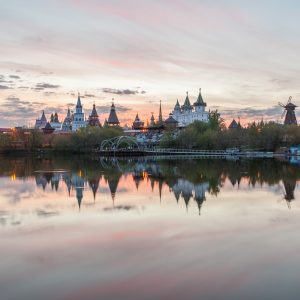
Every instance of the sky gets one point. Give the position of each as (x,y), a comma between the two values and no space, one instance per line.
(243,54)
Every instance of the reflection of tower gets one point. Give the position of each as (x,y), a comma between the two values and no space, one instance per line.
(137,179)
(94,185)
(160,185)
(152,182)
(55,181)
(41,181)
(289,191)
(78,183)
(234,179)
(186,188)
(186,197)
(79,196)
(177,191)
(48,176)
(200,190)
(113,185)
(68,181)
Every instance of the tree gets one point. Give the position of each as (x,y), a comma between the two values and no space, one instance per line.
(215,122)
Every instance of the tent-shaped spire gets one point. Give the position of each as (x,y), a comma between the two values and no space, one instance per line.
(94,118)
(137,123)
(43,118)
(137,118)
(235,125)
(48,129)
(94,111)
(113,119)
(55,118)
(187,103)
(78,105)
(177,105)
(152,120)
(160,119)
(171,120)
(200,101)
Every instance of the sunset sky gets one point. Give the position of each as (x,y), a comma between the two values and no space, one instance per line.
(243,54)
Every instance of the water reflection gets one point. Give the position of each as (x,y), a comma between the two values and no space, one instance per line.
(88,228)
(187,180)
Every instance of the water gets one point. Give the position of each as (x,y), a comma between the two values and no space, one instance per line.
(77,228)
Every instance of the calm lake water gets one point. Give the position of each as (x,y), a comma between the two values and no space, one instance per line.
(76,228)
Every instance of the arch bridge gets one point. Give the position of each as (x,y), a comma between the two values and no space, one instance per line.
(120,144)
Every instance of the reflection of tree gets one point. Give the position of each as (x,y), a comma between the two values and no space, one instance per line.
(187,179)
(289,187)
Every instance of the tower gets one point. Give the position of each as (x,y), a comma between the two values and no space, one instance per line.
(289,113)
(94,118)
(78,119)
(199,104)
(137,124)
(67,124)
(152,121)
(160,119)
(187,104)
(41,123)
(113,118)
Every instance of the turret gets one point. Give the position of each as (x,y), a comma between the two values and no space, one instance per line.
(137,124)
(199,104)
(78,105)
(160,119)
(94,118)
(187,104)
(152,121)
(113,119)
(177,106)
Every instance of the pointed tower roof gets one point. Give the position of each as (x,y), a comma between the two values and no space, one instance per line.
(160,119)
(171,120)
(233,124)
(55,117)
(137,118)
(200,101)
(78,105)
(69,113)
(94,112)
(94,118)
(177,105)
(113,119)
(48,126)
(152,121)
(113,185)
(187,103)
(43,118)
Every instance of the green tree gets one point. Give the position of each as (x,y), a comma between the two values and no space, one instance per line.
(215,122)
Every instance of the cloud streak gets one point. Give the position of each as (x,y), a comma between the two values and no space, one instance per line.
(120,91)
(43,86)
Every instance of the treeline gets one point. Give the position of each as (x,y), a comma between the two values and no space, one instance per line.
(19,139)
(81,141)
(84,140)
(262,136)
